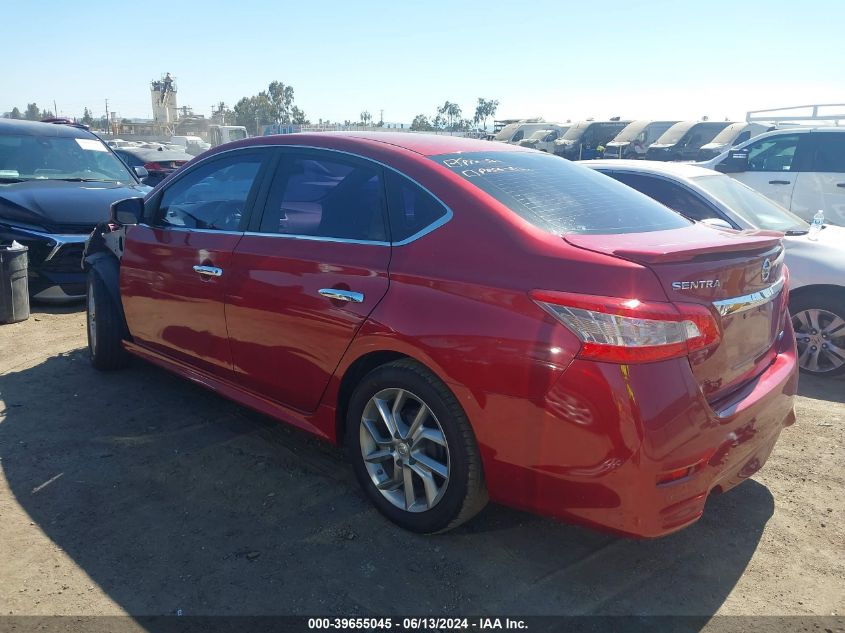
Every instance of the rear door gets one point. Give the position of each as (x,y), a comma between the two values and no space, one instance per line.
(822,184)
(307,274)
(176,263)
(773,165)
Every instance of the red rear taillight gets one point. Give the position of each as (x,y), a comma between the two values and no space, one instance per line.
(153,167)
(628,330)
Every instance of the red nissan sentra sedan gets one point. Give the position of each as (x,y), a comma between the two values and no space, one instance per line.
(468,318)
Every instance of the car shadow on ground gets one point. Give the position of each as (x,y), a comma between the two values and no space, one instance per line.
(37,308)
(171,498)
(820,388)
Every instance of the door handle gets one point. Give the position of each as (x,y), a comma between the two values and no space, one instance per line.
(342,295)
(209,271)
(780,182)
(840,184)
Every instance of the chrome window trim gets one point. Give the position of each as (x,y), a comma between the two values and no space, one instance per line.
(319,238)
(411,238)
(187,229)
(727,307)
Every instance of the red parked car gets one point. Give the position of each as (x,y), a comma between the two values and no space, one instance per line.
(468,318)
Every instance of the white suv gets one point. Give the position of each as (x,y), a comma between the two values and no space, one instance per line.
(802,169)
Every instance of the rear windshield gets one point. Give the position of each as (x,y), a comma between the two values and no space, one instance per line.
(506,132)
(576,131)
(675,133)
(729,133)
(631,131)
(559,196)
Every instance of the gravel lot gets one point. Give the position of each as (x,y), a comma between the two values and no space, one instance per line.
(138,492)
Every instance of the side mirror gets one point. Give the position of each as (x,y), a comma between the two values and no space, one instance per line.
(718,223)
(128,211)
(736,162)
(141,172)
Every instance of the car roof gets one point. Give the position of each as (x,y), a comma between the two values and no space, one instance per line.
(36,128)
(675,170)
(423,144)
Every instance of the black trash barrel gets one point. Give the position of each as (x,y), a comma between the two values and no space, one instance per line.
(14,286)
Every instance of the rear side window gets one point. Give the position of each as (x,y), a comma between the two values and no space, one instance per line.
(670,194)
(559,196)
(411,208)
(829,154)
(326,196)
(129,159)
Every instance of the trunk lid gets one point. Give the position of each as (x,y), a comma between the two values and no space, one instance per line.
(737,275)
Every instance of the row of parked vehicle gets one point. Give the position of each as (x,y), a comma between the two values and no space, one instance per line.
(652,140)
(57,182)
(802,168)
(343,283)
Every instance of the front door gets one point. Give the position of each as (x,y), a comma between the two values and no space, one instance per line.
(307,274)
(773,167)
(176,264)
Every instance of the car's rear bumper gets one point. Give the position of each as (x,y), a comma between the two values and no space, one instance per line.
(636,449)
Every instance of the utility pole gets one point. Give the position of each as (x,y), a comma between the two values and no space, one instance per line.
(107,117)
(55,109)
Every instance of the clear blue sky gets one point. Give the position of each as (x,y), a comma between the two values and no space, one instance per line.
(560,60)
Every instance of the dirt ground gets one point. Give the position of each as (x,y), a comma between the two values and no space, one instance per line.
(138,492)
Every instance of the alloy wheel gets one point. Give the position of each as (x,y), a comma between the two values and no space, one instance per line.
(405,450)
(820,335)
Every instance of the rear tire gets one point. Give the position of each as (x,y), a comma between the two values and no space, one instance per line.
(819,322)
(405,430)
(105,327)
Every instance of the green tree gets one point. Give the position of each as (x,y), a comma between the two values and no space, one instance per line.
(272,106)
(15,113)
(297,116)
(87,119)
(451,113)
(33,113)
(484,110)
(366,117)
(281,101)
(421,124)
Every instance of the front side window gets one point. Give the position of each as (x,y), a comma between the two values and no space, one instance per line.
(670,194)
(518,136)
(829,153)
(326,196)
(560,196)
(775,153)
(213,196)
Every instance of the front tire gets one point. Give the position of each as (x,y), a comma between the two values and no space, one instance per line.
(105,327)
(413,450)
(819,322)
